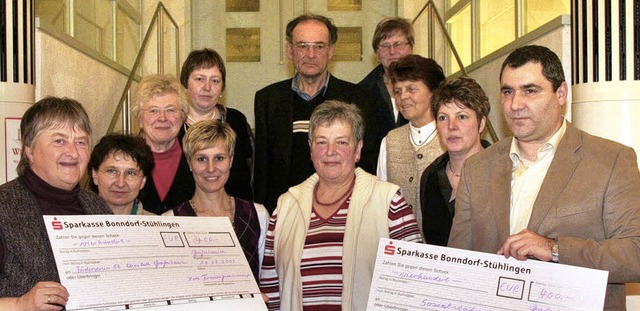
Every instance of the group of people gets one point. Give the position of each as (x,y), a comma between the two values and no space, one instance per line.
(336,167)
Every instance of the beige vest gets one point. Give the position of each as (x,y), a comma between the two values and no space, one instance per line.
(405,164)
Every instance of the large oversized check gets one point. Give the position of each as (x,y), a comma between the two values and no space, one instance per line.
(116,262)
(411,276)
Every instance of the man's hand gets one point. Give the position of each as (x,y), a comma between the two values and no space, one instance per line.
(526,244)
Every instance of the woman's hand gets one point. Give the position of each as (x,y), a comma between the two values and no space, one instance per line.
(44,296)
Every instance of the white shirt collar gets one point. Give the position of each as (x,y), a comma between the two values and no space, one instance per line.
(547,148)
(422,135)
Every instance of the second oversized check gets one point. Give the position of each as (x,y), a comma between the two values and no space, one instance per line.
(411,276)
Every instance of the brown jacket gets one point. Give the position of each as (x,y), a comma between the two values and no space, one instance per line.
(589,200)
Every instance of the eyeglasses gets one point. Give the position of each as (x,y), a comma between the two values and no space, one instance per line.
(130,174)
(170,111)
(386,47)
(303,48)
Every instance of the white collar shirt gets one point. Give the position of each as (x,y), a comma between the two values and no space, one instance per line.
(527,177)
(418,136)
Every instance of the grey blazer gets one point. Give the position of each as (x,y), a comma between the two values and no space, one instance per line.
(589,200)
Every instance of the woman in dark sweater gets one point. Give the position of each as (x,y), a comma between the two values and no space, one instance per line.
(56,144)
(203,75)
(460,108)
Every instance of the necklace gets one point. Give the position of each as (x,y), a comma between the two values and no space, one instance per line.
(340,199)
(452,172)
(424,142)
(231,210)
(193,121)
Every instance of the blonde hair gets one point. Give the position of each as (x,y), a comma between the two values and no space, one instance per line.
(157,85)
(206,134)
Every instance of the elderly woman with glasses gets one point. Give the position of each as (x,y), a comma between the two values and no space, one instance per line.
(323,236)
(119,166)
(406,151)
(460,108)
(392,39)
(208,147)
(161,108)
(56,143)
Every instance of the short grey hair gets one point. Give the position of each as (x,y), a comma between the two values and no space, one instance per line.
(50,113)
(334,110)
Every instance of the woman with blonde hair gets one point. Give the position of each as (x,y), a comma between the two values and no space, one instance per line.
(208,147)
(161,107)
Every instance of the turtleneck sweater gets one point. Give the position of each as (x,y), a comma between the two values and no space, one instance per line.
(52,200)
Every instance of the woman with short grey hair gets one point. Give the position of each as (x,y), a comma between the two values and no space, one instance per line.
(56,144)
(323,236)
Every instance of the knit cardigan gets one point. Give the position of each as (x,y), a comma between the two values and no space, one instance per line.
(367,222)
(406,164)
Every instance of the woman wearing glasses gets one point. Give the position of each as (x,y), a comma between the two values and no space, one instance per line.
(392,39)
(119,167)
(161,108)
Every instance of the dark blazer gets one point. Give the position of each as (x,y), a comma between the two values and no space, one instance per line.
(589,200)
(435,192)
(437,210)
(239,183)
(381,100)
(273,118)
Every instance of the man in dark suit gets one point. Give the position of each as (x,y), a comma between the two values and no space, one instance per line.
(392,39)
(553,192)
(282,110)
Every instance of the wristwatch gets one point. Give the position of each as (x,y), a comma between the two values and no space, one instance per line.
(554,251)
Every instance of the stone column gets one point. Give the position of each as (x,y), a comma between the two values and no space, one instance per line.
(606,77)
(606,69)
(17,89)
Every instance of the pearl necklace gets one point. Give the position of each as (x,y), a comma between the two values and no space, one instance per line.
(213,116)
